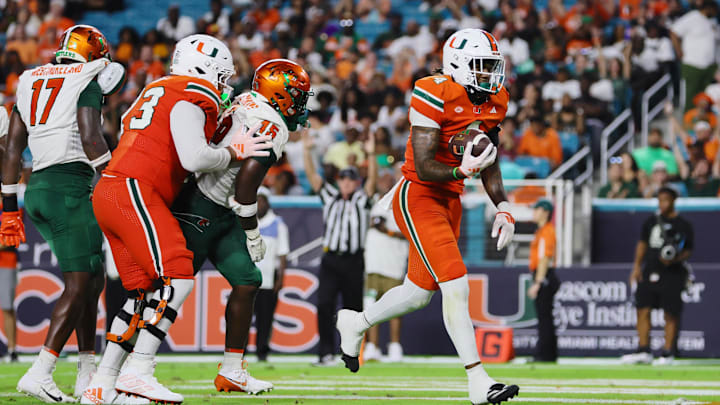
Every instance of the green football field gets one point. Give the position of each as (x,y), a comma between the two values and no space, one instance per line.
(433,380)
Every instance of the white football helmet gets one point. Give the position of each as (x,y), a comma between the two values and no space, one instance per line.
(471,56)
(205,57)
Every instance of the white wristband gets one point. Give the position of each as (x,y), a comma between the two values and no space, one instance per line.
(9,188)
(102,159)
(252,234)
(243,210)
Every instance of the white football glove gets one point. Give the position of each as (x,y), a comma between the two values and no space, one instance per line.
(504,226)
(471,166)
(255,244)
(245,144)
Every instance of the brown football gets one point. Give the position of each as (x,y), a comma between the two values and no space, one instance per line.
(458,141)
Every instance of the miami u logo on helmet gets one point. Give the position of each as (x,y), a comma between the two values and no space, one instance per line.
(461,45)
(201,46)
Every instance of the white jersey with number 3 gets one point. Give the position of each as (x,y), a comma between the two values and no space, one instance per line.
(250,109)
(47,98)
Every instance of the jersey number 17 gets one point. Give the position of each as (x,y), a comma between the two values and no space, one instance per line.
(54,85)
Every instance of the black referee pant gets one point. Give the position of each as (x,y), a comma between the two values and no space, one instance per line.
(265,302)
(344,274)
(546,347)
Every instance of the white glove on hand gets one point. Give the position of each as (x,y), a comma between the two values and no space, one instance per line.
(471,165)
(245,144)
(255,244)
(504,226)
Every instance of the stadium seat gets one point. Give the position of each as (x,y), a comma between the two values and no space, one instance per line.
(539,166)
(570,143)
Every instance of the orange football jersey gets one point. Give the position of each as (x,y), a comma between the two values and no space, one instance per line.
(146,151)
(445,103)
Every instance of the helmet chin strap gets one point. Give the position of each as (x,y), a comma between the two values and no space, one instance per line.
(477,97)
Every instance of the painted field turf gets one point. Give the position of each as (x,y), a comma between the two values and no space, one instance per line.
(419,382)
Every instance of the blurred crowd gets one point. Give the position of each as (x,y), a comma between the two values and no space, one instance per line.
(570,71)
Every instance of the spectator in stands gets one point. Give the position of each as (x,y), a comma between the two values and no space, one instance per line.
(160,47)
(277,241)
(420,41)
(545,281)
(55,19)
(153,68)
(616,69)
(655,151)
(47,46)
(541,141)
(694,38)
(12,69)
(218,16)
(266,17)
(394,32)
(507,141)
(29,20)
(250,39)
(617,186)
(701,112)
(175,26)
(700,179)
(554,90)
(703,135)
(630,169)
(129,41)
(348,152)
(25,46)
(658,179)
(393,108)
(267,52)
(660,273)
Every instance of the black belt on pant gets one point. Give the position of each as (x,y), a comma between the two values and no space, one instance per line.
(343,254)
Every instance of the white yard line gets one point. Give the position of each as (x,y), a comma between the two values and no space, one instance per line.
(442,400)
(530,388)
(461,382)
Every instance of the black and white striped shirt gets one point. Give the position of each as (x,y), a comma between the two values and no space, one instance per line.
(346,221)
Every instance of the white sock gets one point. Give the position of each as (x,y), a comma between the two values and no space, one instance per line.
(147,343)
(114,355)
(397,301)
(45,361)
(477,371)
(86,361)
(456,315)
(232,360)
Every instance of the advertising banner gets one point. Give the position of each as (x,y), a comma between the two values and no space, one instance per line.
(594,312)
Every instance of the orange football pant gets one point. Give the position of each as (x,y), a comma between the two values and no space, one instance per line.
(430,219)
(145,238)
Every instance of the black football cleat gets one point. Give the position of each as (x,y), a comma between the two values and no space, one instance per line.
(501,392)
(351,363)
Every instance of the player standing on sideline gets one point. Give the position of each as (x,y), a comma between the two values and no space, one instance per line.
(166,135)
(218,214)
(58,116)
(427,206)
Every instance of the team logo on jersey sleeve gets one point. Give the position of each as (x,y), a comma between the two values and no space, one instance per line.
(458,109)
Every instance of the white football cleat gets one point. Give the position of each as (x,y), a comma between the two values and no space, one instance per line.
(42,387)
(240,380)
(101,390)
(637,358)
(395,353)
(371,352)
(351,337)
(664,361)
(137,378)
(83,379)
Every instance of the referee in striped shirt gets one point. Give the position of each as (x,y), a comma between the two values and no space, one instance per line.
(346,214)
